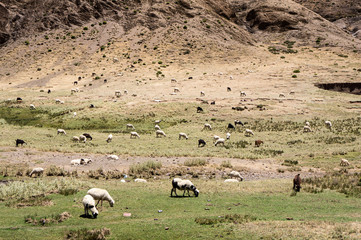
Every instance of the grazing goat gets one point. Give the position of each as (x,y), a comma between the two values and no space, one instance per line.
(328,124)
(344,162)
(297,183)
(207,126)
(235,174)
(110,137)
(134,135)
(201,143)
(202,94)
(160,133)
(237,122)
(229,89)
(183,135)
(61,131)
(307,129)
(258,143)
(130,126)
(249,132)
(87,135)
(20,142)
(219,141)
(185,185)
(37,171)
(230,126)
(199,109)
(228,136)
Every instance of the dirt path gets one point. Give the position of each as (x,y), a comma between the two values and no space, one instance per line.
(250,169)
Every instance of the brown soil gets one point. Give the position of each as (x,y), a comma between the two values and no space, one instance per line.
(250,169)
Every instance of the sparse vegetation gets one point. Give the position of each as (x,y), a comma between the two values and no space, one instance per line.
(195,162)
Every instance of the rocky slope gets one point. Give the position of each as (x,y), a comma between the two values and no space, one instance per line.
(238,21)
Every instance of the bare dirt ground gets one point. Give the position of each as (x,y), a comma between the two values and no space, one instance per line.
(250,169)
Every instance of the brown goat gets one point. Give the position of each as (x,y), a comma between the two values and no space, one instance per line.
(297,183)
(258,143)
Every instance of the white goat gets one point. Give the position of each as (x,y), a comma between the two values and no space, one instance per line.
(89,204)
(77,162)
(113,157)
(82,138)
(32,107)
(110,137)
(249,132)
(183,135)
(134,135)
(61,131)
(207,126)
(130,126)
(344,162)
(202,94)
(185,185)
(140,180)
(228,136)
(231,181)
(328,124)
(38,171)
(235,174)
(307,129)
(160,133)
(75,139)
(215,138)
(100,195)
(219,141)
(156,127)
(243,94)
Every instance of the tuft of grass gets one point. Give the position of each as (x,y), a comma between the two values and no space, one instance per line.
(195,162)
(226,164)
(86,234)
(229,218)
(48,220)
(290,162)
(349,184)
(27,190)
(144,169)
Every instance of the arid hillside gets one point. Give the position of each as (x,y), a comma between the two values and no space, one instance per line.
(243,21)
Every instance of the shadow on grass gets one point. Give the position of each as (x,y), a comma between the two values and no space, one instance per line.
(87,216)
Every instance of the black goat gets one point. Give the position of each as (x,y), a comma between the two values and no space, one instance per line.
(20,142)
(201,143)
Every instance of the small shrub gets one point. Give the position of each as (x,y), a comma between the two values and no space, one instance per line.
(238,144)
(85,234)
(195,162)
(26,42)
(85,28)
(144,169)
(294,76)
(56,171)
(229,218)
(48,220)
(296,71)
(226,164)
(268,152)
(290,162)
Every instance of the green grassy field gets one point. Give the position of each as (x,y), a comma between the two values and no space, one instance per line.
(266,204)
